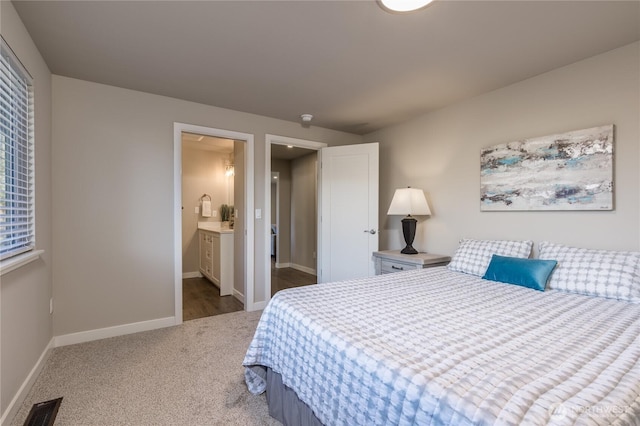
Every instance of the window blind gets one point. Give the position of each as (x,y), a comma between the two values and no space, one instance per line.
(17,227)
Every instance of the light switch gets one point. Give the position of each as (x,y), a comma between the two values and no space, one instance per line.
(258,213)
(196,210)
(214,213)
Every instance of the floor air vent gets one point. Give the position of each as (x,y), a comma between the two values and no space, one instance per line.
(43,413)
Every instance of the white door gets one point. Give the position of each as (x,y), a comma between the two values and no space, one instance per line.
(348,205)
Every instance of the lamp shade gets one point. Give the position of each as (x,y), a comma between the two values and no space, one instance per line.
(404,5)
(409,201)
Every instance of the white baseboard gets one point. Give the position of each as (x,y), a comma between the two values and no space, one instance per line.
(118,330)
(238,295)
(296,266)
(194,274)
(18,399)
(259,306)
(303,269)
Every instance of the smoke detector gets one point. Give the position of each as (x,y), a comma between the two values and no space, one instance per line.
(306,117)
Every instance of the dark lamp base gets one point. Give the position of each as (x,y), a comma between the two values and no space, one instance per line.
(409,232)
(409,250)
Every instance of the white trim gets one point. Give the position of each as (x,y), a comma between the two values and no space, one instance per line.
(18,399)
(249,218)
(277,245)
(194,274)
(283,265)
(16,262)
(178,128)
(300,143)
(278,140)
(118,330)
(258,306)
(177,222)
(238,295)
(303,269)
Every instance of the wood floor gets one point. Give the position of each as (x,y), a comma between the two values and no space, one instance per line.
(201,298)
(282,278)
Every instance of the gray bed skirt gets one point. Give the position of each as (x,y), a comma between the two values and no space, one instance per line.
(284,404)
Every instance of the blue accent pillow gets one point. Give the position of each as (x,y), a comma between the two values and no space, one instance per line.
(531,273)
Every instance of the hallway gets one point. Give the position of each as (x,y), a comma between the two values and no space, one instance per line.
(282,278)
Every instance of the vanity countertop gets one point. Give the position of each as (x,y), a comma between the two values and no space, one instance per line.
(214,227)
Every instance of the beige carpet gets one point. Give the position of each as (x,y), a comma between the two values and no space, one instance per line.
(191,374)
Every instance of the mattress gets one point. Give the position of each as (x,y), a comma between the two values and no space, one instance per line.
(436,347)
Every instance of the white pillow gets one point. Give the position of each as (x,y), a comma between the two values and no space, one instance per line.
(473,256)
(603,273)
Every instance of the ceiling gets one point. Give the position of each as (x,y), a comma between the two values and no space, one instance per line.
(283,152)
(355,67)
(207,143)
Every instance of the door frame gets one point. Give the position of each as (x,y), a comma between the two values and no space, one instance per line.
(277,183)
(178,129)
(278,140)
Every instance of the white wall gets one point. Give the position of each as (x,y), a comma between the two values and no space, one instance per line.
(440,153)
(25,323)
(113,199)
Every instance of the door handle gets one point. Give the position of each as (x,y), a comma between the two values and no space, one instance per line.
(371,231)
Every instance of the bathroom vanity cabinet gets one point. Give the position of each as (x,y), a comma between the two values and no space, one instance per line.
(216,258)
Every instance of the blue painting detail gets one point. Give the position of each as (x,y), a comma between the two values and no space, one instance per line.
(569,171)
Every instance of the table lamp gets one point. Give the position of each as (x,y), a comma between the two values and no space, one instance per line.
(409,201)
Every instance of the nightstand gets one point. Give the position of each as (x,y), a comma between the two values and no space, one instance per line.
(390,261)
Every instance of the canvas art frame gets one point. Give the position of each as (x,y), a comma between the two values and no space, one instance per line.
(566,171)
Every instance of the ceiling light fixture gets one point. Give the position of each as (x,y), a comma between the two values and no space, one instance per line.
(229,168)
(306,117)
(403,5)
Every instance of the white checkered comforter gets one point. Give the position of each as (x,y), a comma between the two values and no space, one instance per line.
(436,347)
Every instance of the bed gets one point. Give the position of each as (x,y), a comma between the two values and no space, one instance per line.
(444,347)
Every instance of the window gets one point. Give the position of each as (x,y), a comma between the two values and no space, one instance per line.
(17,233)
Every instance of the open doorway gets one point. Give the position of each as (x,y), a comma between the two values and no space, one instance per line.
(237,156)
(292,168)
(208,221)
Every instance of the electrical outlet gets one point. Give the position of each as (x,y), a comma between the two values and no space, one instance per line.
(214,213)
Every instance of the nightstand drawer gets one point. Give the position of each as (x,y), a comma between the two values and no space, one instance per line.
(389,266)
(390,261)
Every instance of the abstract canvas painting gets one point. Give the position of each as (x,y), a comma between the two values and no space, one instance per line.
(568,171)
